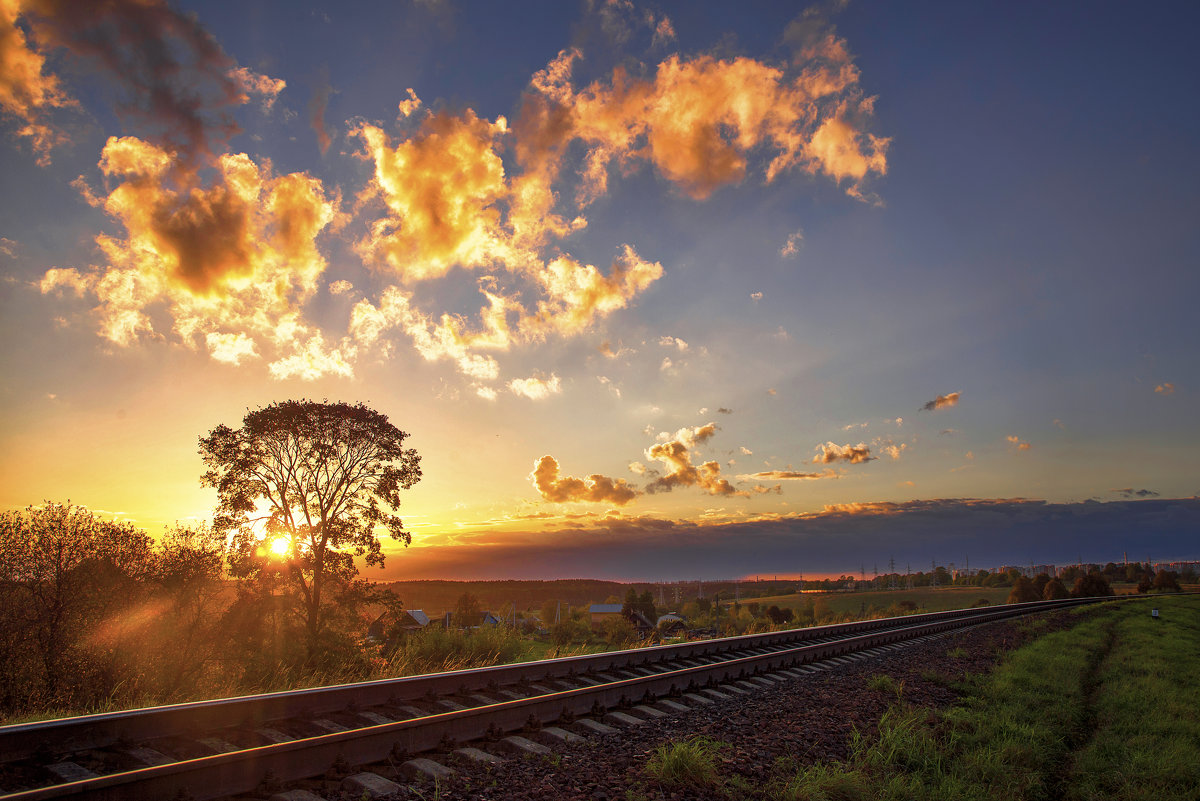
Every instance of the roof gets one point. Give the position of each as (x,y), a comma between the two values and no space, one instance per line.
(605,609)
(669,617)
(419,616)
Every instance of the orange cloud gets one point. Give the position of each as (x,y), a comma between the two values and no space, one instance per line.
(27,91)
(596,489)
(942,402)
(1165,388)
(1021,446)
(696,120)
(831,452)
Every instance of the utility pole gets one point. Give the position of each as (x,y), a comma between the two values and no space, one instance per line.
(933,582)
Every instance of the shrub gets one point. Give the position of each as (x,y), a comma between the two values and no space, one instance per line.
(1093,585)
(1167,581)
(1054,590)
(1023,591)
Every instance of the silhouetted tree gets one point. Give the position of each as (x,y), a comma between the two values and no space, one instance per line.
(1146,582)
(328,475)
(62,572)
(1166,581)
(1023,590)
(1039,583)
(466,611)
(1092,585)
(1054,590)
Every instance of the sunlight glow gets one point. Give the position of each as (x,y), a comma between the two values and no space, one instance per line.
(280,546)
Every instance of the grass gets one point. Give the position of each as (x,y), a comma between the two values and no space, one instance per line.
(1102,710)
(687,765)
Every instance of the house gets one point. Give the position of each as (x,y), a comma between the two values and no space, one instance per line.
(602,612)
(387,630)
(671,625)
(481,619)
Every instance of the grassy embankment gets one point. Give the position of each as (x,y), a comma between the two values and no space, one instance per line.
(1103,710)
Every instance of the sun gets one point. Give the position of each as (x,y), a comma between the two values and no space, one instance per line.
(280,546)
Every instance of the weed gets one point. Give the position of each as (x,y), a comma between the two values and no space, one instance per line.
(691,763)
(957,653)
(834,782)
(883,683)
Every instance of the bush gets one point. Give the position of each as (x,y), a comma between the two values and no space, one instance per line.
(1054,590)
(1167,581)
(1023,591)
(1093,585)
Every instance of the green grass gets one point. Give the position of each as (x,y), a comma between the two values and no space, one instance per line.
(690,764)
(1104,710)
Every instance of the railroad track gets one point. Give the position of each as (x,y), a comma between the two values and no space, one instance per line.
(215,749)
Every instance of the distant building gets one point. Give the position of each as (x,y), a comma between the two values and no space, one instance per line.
(599,613)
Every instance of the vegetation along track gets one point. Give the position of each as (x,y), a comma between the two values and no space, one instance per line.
(213,749)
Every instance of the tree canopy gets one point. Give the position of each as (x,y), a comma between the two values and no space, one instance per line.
(303,488)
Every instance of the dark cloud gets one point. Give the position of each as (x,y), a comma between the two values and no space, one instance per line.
(177,82)
(316,110)
(942,402)
(831,452)
(723,410)
(1130,492)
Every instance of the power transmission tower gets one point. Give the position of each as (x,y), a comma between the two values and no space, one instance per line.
(891,572)
(908,579)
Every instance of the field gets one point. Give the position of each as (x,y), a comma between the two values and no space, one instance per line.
(927,599)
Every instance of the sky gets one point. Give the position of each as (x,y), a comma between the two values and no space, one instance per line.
(657,290)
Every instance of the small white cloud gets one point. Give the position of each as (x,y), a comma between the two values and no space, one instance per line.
(756,296)
(536,387)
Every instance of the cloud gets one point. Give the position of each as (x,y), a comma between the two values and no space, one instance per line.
(756,296)
(746,451)
(317,106)
(535,387)
(675,455)
(948,432)
(1130,492)
(176,83)
(1165,388)
(254,84)
(341,287)
(942,402)
(1015,440)
(889,446)
(673,342)
(788,475)
(27,92)
(792,246)
(596,489)
(8,247)
(761,490)
(231,257)
(831,452)
(723,410)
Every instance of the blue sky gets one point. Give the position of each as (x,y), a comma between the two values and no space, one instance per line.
(987,204)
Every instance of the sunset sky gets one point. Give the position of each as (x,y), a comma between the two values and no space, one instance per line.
(659,290)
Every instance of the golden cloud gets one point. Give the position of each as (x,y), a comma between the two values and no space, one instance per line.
(681,472)
(1165,388)
(831,452)
(596,489)
(788,475)
(232,261)
(1018,443)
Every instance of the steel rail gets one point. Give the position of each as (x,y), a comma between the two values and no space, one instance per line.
(243,771)
(254,711)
